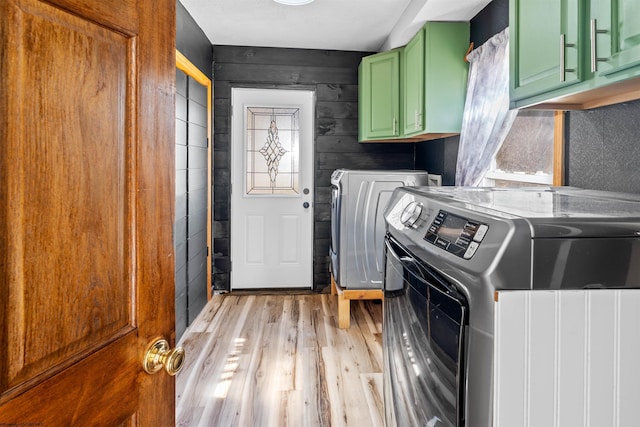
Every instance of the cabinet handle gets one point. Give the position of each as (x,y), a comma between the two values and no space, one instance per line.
(394,126)
(563,46)
(594,50)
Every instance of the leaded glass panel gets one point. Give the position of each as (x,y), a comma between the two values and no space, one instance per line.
(273,149)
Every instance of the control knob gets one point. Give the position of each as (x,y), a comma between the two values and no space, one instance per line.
(411,214)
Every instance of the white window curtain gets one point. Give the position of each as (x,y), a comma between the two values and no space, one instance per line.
(487,119)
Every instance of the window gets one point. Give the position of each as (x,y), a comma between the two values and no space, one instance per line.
(273,151)
(531,154)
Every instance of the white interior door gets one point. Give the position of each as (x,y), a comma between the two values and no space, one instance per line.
(272,188)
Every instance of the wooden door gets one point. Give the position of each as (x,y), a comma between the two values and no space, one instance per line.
(86,210)
(272,180)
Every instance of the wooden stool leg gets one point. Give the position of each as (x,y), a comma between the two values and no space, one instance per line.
(344,312)
(334,291)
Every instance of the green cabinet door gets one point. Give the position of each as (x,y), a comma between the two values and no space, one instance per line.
(545,46)
(412,84)
(614,37)
(434,80)
(445,76)
(380,95)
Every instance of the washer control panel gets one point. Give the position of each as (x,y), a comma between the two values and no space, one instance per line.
(455,234)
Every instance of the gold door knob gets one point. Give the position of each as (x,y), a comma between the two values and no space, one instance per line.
(160,354)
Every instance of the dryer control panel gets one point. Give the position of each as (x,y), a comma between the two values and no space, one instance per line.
(455,234)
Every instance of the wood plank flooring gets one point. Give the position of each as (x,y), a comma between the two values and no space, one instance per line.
(281,360)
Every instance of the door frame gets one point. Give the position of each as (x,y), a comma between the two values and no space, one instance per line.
(313,91)
(186,66)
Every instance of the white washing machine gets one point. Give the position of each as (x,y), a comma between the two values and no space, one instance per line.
(358,202)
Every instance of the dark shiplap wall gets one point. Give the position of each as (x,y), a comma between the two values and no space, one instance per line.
(334,77)
(439,156)
(192,42)
(489,21)
(190,279)
(190,228)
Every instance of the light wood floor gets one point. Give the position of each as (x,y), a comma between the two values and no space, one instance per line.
(280,360)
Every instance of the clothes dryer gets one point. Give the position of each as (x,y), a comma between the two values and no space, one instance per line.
(358,201)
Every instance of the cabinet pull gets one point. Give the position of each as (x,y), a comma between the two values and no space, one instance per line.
(563,46)
(594,50)
(394,126)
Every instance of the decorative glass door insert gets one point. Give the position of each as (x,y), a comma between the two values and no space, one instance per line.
(273,150)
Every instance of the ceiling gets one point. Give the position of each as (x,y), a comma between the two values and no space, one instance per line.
(354,25)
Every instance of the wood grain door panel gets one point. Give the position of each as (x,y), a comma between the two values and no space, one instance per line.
(71,238)
(86,210)
(108,395)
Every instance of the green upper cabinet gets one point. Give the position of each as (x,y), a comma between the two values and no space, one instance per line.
(379,106)
(445,77)
(413,85)
(544,39)
(431,89)
(614,29)
(574,54)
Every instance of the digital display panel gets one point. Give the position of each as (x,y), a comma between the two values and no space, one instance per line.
(455,234)
(451,227)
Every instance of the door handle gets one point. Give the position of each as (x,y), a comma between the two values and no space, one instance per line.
(305,205)
(593,33)
(159,354)
(563,46)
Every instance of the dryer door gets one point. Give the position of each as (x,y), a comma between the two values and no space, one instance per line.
(423,344)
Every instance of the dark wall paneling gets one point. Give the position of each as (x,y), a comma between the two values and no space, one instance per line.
(334,77)
(181,191)
(603,148)
(489,21)
(192,42)
(439,157)
(197,203)
(450,159)
(191,173)
(190,228)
